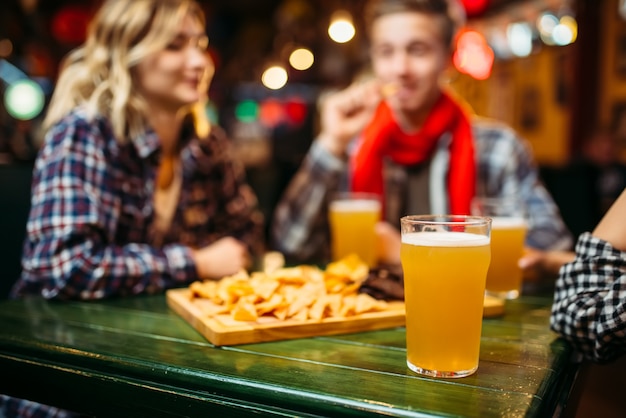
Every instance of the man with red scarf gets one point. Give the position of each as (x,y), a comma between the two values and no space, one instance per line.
(402,135)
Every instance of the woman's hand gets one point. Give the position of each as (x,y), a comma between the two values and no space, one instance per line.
(224,257)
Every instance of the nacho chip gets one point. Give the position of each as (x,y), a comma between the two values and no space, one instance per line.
(299,293)
(244,311)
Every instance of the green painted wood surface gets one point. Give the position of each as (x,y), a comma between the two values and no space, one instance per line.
(136,357)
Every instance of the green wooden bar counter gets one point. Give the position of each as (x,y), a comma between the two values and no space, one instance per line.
(136,357)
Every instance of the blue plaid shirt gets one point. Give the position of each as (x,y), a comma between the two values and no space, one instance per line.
(505,167)
(589,308)
(89,233)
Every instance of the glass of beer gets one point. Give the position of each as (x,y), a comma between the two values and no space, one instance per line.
(445,260)
(352,218)
(508,231)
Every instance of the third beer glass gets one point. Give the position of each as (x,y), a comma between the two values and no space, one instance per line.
(508,231)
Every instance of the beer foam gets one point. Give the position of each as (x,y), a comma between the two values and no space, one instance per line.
(355,205)
(444,239)
(504,222)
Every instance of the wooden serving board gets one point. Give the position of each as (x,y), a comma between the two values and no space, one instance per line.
(223,330)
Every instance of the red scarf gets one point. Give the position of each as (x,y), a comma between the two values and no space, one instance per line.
(383,137)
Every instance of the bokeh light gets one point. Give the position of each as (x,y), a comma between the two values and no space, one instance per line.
(473,55)
(24,99)
(545,25)
(341,28)
(520,39)
(69,24)
(274,77)
(6,48)
(296,111)
(247,111)
(475,7)
(301,59)
(271,112)
(212,113)
(566,31)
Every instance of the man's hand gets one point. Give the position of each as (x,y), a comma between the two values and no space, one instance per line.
(539,265)
(346,113)
(389,243)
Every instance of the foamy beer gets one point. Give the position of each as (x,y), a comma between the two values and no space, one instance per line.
(445,260)
(508,232)
(352,218)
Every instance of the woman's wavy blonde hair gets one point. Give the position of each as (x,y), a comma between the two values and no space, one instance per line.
(99,74)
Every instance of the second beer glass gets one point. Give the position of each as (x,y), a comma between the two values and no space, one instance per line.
(352,218)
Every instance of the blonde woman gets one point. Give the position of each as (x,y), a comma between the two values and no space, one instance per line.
(133,191)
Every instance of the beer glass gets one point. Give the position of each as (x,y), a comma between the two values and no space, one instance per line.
(352,218)
(445,260)
(508,231)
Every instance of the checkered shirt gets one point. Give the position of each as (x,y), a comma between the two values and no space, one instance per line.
(505,167)
(589,308)
(89,232)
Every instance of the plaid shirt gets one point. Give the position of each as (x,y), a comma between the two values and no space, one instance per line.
(89,233)
(505,167)
(589,307)
(15,407)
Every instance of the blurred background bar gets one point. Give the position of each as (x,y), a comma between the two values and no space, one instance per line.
(555,70)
